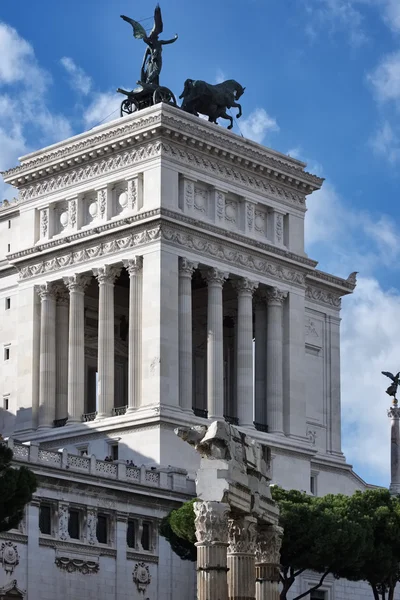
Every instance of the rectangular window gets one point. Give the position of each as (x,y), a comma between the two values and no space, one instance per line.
(83,450)
(9,223)
(102,529)
(8,247)
(146,536)
(6,402)
(6,353)
(114,451)
(45,519)
(74,524)
(319,595)
(8,303)
(131,534)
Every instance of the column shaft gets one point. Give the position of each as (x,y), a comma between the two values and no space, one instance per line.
(268,549)
(105,362)
(241,559)
(394,413)
(244,372)
(215,357)
(275,362)
(76,348)
(260,361)
(62,331)
(211,523)
(186,269)
(134,268)
(47,368)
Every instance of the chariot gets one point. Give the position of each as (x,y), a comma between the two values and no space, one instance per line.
(146,94)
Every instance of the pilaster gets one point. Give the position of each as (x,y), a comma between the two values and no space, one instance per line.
(260,327)
(134,267)
(275,300)
(62,329)
(47,368)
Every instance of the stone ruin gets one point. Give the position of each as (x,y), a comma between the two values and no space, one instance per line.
(238,537)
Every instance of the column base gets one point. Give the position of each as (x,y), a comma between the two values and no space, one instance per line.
(72,421)
(131,409)
(44,427)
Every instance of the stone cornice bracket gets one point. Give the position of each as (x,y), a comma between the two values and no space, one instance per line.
(245,286)
(107,274)
(46,290)
(133,265)
(187,267)
(211,522)
(77,282)
(274,296)
(216,277)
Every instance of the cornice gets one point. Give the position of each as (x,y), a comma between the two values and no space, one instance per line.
(346,286)
(56,161)
(323,296)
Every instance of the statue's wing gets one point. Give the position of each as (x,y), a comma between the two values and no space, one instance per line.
(387,374)
(139,32)
(158,22)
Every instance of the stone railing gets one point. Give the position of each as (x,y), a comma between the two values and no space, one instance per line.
(171,478)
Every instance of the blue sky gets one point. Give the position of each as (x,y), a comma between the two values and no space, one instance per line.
(322,83)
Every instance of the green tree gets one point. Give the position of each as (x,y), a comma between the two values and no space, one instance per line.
(179,530)
(16,488)
(380,514)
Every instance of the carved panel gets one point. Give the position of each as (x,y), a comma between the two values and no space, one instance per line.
(260,221)
(9,557)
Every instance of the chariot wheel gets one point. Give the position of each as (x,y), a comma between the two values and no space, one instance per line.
(128,106)
(163,94)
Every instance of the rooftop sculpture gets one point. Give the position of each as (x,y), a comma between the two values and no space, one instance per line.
(199,97)
(392,389)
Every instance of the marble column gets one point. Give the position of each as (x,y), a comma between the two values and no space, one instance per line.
(244,370)
(211,522)
(275,299)
(268,555)
(105,363)
(47,361)
(394,414)
(260,313)
(241,558)
(186,269)
(215,356)
(62,329)
(76,285)
(134,267)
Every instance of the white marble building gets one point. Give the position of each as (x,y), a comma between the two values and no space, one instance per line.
(153,274)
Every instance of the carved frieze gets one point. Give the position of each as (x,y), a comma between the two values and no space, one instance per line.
(323,296)
(73,565)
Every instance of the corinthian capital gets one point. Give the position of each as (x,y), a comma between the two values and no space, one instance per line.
(245,286)
(215,276)
(187,267)
(275,296)
(242,534)
(107,274)
(268,545)
(46,290)
(211,522)
(133,265)
(77,282)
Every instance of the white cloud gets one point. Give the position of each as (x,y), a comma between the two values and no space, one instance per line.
(385,79)
(386,143)
(79,80)
(333,16)
(220,76)
(257,125)
(105,107)
(392,14)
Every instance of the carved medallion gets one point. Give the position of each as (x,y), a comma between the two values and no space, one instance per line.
(9,556)
(141,576)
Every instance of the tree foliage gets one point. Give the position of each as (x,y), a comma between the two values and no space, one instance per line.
(16,488)
(179,530)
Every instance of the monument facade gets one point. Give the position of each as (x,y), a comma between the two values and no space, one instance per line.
(153,276)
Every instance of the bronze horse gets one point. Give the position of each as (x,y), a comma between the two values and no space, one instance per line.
(212,100)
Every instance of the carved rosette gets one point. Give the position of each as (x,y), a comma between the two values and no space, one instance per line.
(9,556)
(268,545)
(216,277)
(77,282)
(244,286)
(275,296)
(242,535)
(211,522)
(187,267)
(133,265)
(107,274)
(141,576)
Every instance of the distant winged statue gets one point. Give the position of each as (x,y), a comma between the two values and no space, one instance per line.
(392,389)
(152,60)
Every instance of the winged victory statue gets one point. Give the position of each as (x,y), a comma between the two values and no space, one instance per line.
(392,389)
